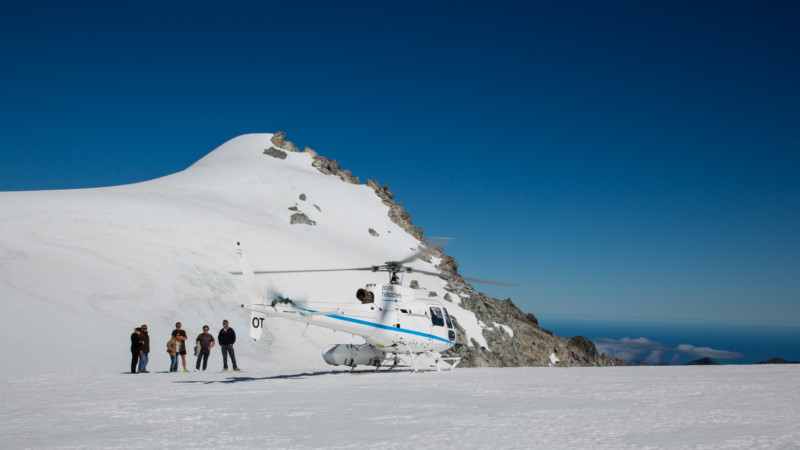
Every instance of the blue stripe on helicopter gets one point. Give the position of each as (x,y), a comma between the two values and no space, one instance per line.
(384,327)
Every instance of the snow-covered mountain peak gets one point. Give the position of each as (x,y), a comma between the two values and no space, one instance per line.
(247,151)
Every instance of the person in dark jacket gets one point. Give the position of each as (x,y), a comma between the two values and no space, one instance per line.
(226,339)
(144,355)
(205,341)
(136,347)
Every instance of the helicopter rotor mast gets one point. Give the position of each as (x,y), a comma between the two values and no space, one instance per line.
(393,267)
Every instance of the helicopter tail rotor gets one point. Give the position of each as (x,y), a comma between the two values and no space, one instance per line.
(274,297)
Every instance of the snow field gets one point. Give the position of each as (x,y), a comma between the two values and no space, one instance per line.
(618,407)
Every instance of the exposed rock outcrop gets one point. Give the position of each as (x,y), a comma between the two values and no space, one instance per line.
(323,164)
(332,167)
(397,213)
(530,345)
(301,218)
(275,153)
(279,140)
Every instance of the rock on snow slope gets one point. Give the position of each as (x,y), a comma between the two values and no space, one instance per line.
(80,268)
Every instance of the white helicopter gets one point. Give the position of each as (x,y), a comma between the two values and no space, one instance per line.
(398,327)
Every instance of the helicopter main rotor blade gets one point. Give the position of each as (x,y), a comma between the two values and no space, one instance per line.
(478,280)
(453,275)
(433,242)
(304,271)
(438,241)
(394,267)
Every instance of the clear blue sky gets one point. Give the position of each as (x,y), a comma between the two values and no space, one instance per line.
(614,159)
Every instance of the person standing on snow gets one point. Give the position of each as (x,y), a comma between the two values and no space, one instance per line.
(144,355)
(182,338)
(136,347)
(172,348)
(226,339)
(206,342)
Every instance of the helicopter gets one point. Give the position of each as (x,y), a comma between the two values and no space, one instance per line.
(399,329)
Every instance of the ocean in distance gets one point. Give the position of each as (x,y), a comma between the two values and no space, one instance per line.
(652,342)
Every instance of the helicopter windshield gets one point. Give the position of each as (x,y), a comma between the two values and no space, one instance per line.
(447,318)
(436,317)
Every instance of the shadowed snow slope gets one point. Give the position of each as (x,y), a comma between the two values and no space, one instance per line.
(79,269)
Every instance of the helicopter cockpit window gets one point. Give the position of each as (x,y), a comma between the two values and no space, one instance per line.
(436,317)
(447,319)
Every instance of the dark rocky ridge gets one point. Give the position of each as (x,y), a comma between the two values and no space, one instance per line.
(530,344)
(707,361)
(397,213)
(778,361)
(323,164)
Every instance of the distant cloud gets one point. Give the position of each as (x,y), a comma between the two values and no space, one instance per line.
(629,350)
(702,352)
(654,357)
(626,349)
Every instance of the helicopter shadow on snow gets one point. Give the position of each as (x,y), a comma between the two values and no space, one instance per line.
(241,379)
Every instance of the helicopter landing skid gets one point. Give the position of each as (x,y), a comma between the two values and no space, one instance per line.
(429,361)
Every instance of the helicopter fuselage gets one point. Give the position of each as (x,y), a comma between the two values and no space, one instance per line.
(389,318)
(392,321)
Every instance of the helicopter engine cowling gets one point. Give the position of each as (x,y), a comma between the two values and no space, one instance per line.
(353,355)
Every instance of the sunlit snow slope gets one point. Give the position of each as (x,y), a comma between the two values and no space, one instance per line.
(79,269)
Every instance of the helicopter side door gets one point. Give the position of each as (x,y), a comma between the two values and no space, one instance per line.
(438,327)
(451,330)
